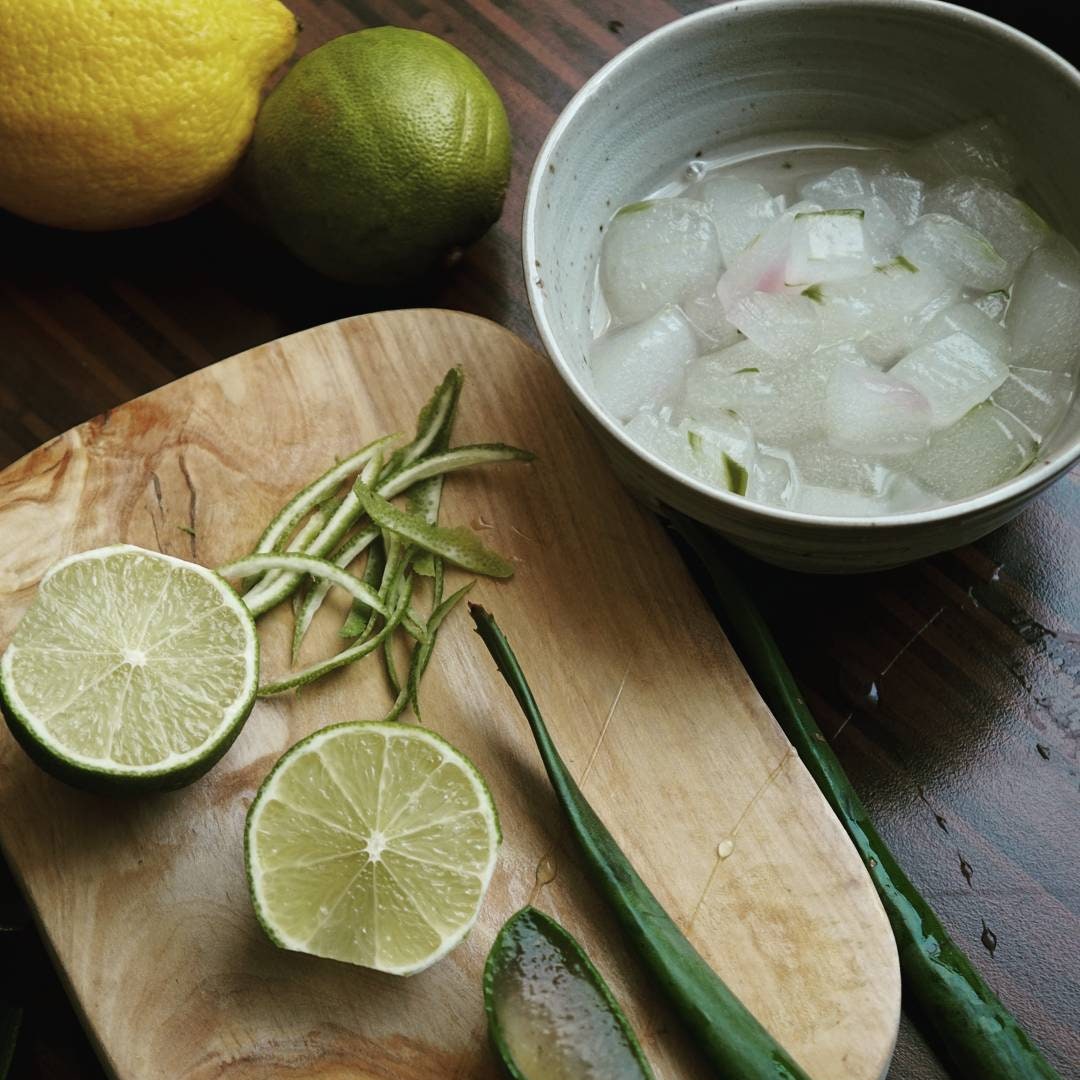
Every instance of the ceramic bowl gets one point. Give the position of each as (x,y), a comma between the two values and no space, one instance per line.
(755,70)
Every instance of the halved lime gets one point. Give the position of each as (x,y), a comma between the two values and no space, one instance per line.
(130,669)
(371,843)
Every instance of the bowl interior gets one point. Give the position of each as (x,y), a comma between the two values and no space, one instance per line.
(755,70)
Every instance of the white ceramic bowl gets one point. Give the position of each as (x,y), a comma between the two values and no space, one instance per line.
(897,69)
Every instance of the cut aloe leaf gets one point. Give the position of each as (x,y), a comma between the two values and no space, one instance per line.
(422,653)
(550,1013)
(461,457)
(306,564)
(10,1022)
(457,545)
(284,523)
(346,554)
(346,656)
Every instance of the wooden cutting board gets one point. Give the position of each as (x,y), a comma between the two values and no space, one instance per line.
(144,902)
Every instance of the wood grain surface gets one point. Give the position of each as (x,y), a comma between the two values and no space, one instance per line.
(144,901)
(951,689)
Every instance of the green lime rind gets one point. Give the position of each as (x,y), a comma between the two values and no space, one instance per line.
(299,543)
(527,932)
(461,457)
(266,790)
(346,554)
(118,779)
(433,425)
(346,656)
(322,569)
(457,545)
(421,655)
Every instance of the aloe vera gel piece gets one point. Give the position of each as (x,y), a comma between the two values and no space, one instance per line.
(550,1014)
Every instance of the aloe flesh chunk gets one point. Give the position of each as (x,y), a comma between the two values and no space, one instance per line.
(347,656)
(976,1033)
(726,1031)
(551,1015)
(456,545)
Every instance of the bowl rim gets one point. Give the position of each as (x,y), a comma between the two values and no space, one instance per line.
(1037,475)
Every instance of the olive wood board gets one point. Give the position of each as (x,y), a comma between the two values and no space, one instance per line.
(144,902)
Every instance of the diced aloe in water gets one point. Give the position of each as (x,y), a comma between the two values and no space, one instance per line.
(657,253)
(954,374)
(992,304)
(708,318)
(958,251)
(829,245)
(986,447)
(879,189)
(785,325)
(980,148)
(872,413)
(1013,229)
(823,465)
(762,266)
(968,319)
(643,364)
(1038,399)
(772,481)
(740,210)
(835,502)
(1044,310)
(902,193)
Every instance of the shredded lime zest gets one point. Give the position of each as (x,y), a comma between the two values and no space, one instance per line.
(457,545)
(461,457)
(736,474)
(346,656)
(306,564)
(811,292)
(433,425)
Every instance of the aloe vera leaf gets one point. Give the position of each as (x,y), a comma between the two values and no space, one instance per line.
(306,564)
(457,545)
(346,656)
(423,650)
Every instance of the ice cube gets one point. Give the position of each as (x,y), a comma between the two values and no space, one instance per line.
(827,246)
(723,451)
(786,326)
(1038,399)
(993,304)
(958,251)
(761,267)
(740,210)
(970,320)
(954,373)
(885,310)
(1013,229)
(979,148)
(780,401)
(653,431)
(872,413)
(986,447)
(643,364)
(772,480)
(707,316)
(1044,310)
(657,253)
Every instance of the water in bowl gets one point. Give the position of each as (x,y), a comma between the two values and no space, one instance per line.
(837,327)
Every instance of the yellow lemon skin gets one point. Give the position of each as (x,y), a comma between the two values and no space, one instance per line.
(118,113)
(380,154)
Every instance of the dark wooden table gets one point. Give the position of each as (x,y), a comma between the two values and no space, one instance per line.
(950,689)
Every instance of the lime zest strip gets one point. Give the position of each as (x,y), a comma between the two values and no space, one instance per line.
(422,653)
(346,656)
(457,545)
(461,457)
(306,564)
(433,424)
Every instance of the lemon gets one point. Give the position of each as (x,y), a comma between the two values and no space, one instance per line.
(116,113)
(380,154)
(372,843)
(129,670)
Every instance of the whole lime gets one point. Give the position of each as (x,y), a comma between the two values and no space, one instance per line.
(380,154)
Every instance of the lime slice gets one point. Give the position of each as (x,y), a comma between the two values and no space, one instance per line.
(371,843)
(130,669)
